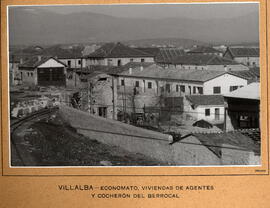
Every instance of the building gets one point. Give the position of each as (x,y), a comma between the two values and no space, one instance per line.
(163,56)
(205,107)
(152,78)
(205,50)
(166,55)
(102,95)
(253,74)
(117,54)
(14,74)
(43,71)
(242,108)
(206,62)
(244,55)
(72,56)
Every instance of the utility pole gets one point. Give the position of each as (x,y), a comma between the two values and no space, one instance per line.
(89,97)
(125,101)
(75,84)
(113,98)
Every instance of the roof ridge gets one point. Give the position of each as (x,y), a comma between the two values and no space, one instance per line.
(115,44)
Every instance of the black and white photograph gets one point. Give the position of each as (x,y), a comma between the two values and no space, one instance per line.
(134,85)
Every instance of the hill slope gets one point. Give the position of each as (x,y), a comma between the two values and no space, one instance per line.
(42,27)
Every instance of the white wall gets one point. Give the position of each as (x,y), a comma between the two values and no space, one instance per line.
(29,77)
(253,61)
(50,64)
(224,81)
(157,84)
(198,113)
(74,63)
(211,118)
(235,67)
(114,61)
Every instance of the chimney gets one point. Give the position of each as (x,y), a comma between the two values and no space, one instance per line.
(141,68)
(130,70)
(39,58)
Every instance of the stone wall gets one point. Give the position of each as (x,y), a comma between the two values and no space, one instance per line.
(189,151)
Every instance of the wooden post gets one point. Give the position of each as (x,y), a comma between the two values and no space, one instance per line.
(113,98)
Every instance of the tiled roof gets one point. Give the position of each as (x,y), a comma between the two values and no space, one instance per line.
(155,71)
(117,50)
(35,62)
(252,73)
(255,71)
(251,91)
(62,53)
(215,141)
(153,51)
(206,99)
(203,59)
(166,55)
(244,52)
(204,49)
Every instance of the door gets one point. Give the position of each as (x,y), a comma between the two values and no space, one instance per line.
(217,114)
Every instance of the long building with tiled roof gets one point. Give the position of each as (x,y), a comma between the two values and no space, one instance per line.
(206,62)
(117,54)
(248,56)
(205,50)
(155,77)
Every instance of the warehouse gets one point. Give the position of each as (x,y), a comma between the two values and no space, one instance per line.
(43,71)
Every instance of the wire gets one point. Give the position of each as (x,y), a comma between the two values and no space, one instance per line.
(161,109)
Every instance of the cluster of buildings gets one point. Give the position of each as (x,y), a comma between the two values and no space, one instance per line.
(151,84)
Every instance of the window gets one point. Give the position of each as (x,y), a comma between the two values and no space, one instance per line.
(194,90)
(102,111)
(200,90)
(207,112)
(217,114)
(31,74)
(28,74)
(131,60)
(149,85)
(232,88)
(79,62)
(102,79)
(189,87)
(182,88)
(142,60)
(216,90)
(119,62)
(254,63)
(137,84)
(177,88)
(168,88)
(122,82)
(69,63)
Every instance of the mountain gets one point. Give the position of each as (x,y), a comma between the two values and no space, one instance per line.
(43,27)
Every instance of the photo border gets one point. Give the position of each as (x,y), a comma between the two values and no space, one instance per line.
(3,66)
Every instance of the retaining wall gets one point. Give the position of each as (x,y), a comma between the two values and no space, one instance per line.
(150,143)
(188,151)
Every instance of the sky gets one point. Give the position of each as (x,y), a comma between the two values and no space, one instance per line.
(194,11)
